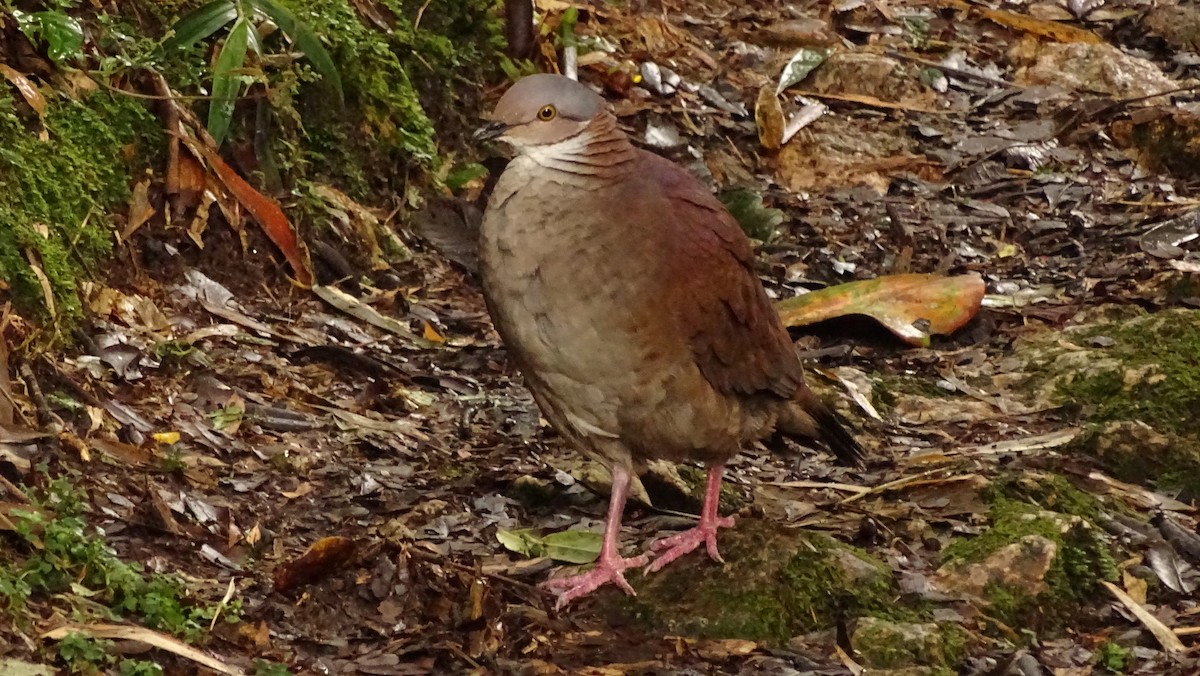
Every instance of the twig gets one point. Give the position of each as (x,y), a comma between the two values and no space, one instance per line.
(420,13)
(846,488)
(1081,115)
(1167,638)
(957,72)
(46,418)
(160,97)
(14,491)
(431,558)
(891,485)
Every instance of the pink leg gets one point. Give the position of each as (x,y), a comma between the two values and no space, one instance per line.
(706,531)
(610,567)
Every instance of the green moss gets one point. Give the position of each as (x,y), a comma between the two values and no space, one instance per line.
(696,479)
(1159,379)
(1136,453)
(60,191)
(391,78)
(1081,561)
(882,644)
(1051,492)
(777,583)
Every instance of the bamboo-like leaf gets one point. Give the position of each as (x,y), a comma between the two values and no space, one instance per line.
(202,23)
(226,81)
(306,40)
(912,306)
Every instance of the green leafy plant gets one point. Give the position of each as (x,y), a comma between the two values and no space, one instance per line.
(265,668)
(1114,658)
(229,70)
(62,33)
(84,654)
(71,559)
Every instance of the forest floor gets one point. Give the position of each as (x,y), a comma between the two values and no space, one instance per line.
(1029,505)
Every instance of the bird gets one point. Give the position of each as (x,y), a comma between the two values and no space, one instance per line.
(625,294)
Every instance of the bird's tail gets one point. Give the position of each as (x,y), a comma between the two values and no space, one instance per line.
(807,416)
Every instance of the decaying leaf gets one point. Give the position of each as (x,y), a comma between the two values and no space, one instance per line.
(265,211)
(28,91)
(802,63)
(768,115)
(320,560)
(1053,30)
(913,306)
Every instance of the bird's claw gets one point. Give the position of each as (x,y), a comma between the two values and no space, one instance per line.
(605,571)
(681,543)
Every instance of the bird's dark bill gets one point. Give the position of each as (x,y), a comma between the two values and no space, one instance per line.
(490,131)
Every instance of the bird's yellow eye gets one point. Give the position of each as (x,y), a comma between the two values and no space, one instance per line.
(547,113)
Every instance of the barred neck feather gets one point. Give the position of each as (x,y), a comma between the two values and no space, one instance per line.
(599,153)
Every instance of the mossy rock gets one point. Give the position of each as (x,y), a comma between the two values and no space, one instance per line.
(883,644)
(1032,567)
(776,583)
(1120,376)
(1136,452)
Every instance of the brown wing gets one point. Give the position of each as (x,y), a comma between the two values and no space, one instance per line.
(735,335)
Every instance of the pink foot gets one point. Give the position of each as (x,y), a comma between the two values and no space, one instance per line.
(608,569)
(681,543)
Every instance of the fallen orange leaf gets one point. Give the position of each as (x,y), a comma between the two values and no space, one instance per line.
(322,558)
(913,306)
(1059,32)
(265,211)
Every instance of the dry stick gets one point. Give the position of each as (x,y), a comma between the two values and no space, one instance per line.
(957,72)
(1167,638)
(16,492)
(1116,105)
(430,557)
(47,418)
(159,97)
(898,483)
(845,488)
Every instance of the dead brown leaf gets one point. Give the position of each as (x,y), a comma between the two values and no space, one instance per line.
(321,559)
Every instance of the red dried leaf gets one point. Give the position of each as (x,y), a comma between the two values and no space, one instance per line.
(323,557)
(264,210)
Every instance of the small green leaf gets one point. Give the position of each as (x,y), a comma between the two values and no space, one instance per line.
(525,542)
(226,81)
(306,40)
(464,174)
(802,63)
(202,23)
(747,207)
(62,33)
(574,546)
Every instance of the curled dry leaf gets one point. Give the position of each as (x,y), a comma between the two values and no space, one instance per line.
(265,211)
(28,91)
(913,306)
(321,559)
(1059,32)
(768,115)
